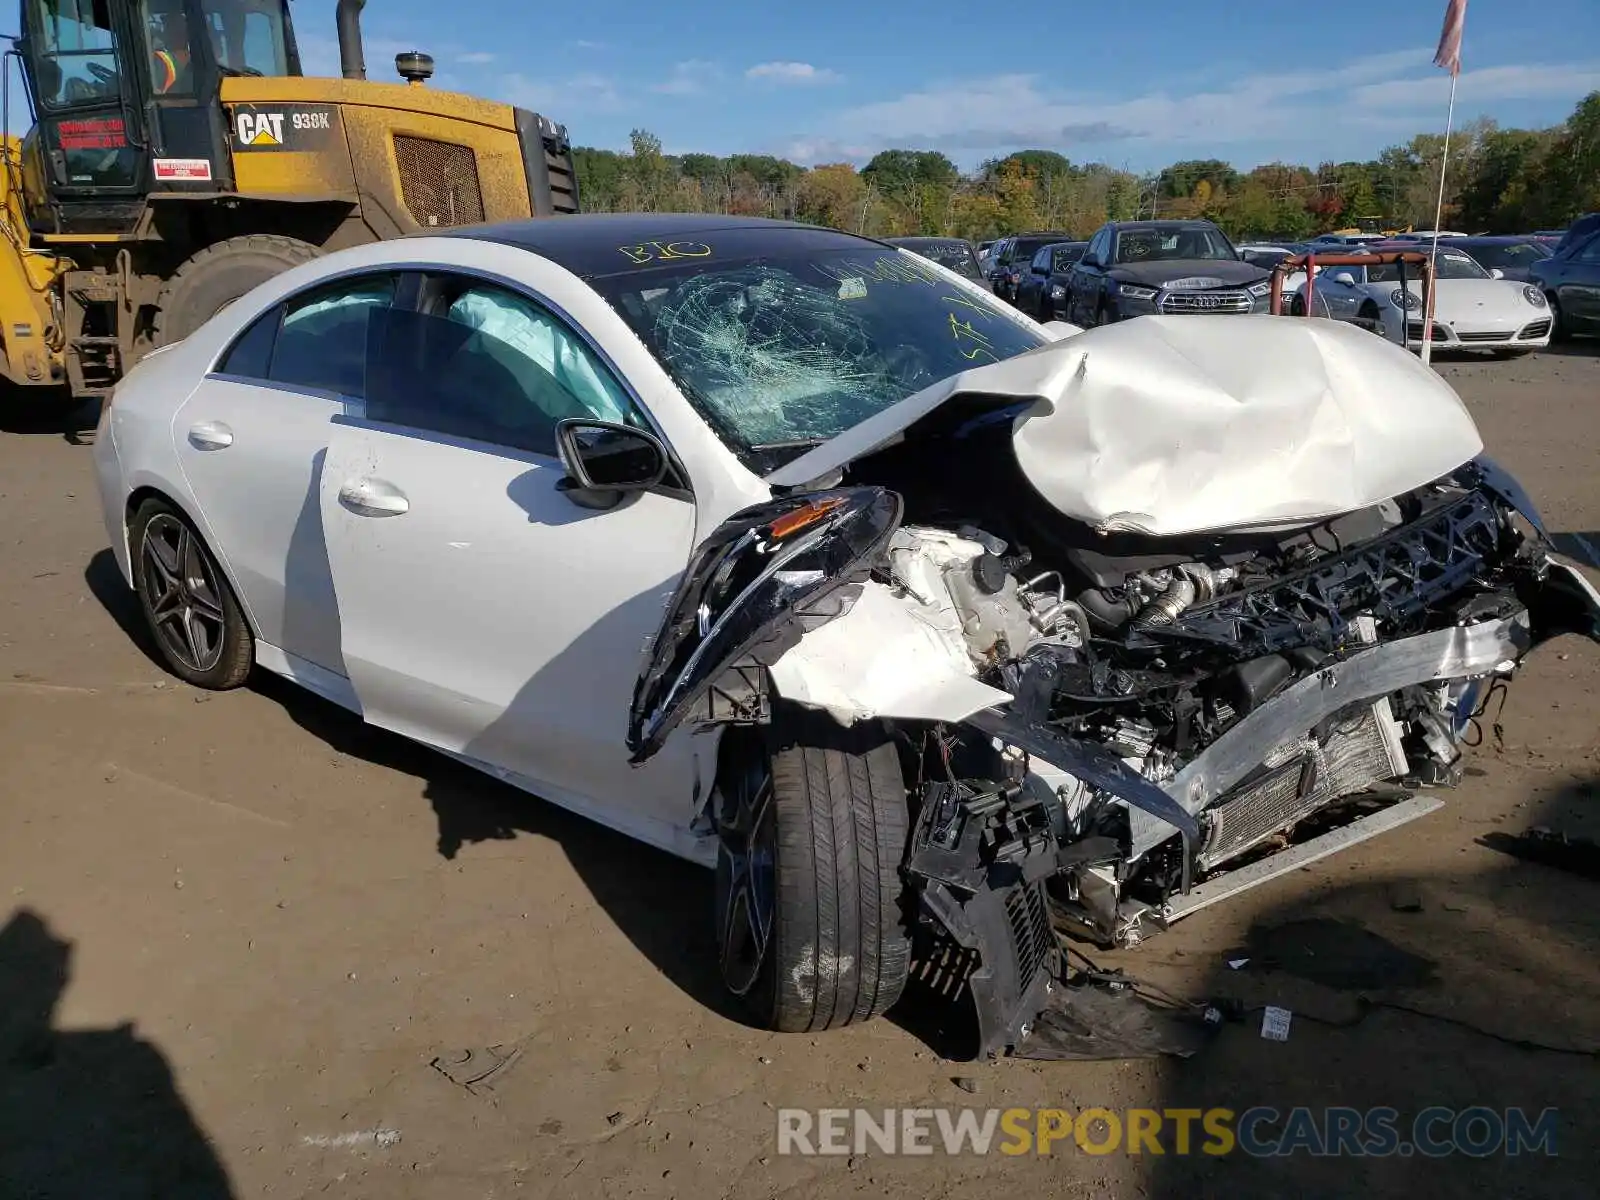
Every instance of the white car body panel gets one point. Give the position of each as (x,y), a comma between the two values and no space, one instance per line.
(498,620)
(1172,425)
(258,496)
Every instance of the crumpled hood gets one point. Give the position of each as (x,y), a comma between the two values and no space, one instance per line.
(1175,425)
(1161,272)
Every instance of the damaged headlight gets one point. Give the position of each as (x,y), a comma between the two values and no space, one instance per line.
(769,571)
(1401,298)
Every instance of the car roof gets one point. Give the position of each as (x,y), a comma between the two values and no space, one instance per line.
(592,245)
(1163,223)
(922,239)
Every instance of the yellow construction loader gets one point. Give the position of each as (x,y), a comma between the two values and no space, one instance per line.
(178,158)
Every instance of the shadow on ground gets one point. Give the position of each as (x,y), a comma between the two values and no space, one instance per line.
(86,1114)
(1455,991)
(1580,347)
(660,903)
(47,412)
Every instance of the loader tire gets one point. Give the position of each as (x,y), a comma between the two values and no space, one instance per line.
(821,856)
(215,277)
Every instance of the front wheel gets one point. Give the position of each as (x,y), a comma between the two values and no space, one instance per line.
(812,825)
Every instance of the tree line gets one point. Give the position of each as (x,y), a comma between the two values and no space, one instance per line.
(1499,181)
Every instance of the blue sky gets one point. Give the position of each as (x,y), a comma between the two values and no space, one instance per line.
(1137,84)
(1133,84)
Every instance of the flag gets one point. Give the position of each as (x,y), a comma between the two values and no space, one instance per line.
(1449,55)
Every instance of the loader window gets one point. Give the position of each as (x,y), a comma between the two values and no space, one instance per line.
(247,36)
(77,53)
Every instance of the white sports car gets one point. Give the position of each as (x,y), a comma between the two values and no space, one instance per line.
(796,554)
(1473,309)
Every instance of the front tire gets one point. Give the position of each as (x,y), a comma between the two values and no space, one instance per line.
(812,824)
(189,608)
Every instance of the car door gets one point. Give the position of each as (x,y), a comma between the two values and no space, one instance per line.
(1030,296)
(486,610)
(1578,287)
(250,441)
(1088,280)
(997,264)
(1336,298)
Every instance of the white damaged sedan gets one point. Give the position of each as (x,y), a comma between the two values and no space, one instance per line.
(1474,309)
(802,557)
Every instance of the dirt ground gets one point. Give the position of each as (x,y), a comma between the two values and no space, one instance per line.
(237,930)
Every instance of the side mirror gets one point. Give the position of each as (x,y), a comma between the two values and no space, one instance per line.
(604,460)
(1343,277)
(1497,273)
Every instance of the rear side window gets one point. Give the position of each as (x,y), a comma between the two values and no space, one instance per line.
(322,341)
(251,356)
(317,340)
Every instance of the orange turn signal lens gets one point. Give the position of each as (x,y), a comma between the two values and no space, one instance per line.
(807,514)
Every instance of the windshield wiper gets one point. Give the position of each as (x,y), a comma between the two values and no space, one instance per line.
(797,444)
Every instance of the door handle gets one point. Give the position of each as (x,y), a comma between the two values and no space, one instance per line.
(210,435)
(373,498)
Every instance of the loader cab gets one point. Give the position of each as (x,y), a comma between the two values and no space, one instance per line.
(126,101)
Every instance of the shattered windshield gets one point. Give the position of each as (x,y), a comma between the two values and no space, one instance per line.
(779,353)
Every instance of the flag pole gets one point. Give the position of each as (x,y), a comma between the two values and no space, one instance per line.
(1438,216)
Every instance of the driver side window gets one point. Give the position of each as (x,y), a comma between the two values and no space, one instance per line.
(490,365)
(77,54)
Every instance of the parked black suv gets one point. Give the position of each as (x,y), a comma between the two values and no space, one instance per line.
(1570,280)
(956,253)
(1012,258)
(1043,290)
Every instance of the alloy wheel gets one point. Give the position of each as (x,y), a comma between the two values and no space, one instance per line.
(181,594)
(747,868)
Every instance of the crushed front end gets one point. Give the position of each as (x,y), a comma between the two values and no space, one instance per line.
(1098,743)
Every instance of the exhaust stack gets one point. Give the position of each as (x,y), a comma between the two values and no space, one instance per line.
(347,18)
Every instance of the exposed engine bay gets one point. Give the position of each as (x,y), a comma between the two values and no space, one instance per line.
(1106,730)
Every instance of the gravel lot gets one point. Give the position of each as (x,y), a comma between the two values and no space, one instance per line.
(237,929)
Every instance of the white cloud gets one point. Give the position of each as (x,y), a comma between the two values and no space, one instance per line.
(475,58)
(1380,96)
(585,44)
(1477,87)
(688,78)
(791,72)
(587,92)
